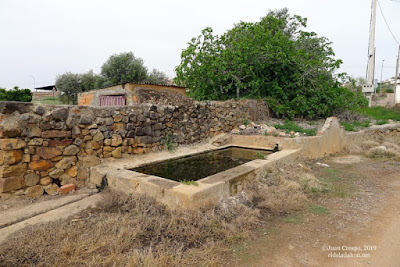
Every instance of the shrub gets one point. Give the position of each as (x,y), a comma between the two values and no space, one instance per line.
(16,94)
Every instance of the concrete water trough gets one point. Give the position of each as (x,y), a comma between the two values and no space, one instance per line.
(136,175)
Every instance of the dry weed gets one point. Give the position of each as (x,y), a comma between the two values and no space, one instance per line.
(131,231)
(137,231)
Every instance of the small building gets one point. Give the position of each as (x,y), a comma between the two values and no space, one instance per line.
(123,94)
(45,91)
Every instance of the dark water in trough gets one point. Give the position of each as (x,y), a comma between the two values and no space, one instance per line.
(196,167)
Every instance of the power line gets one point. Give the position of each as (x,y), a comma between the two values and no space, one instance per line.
(387,24)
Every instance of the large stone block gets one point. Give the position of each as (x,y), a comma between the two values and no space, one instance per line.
(40,165)
(64,142)
(14,170)
(48,152)
(31,179)
(71,150)
(54,134)
(11,144)
(11,183)
(34,191)
(66,163)
(10,157)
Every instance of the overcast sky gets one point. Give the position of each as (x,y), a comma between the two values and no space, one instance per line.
(44,38)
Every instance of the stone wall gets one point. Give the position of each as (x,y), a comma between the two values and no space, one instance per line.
(45,146)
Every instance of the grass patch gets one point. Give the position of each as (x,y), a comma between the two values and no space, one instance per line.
(246,122)
(190,183)
(289,126)
(355,126)
(259,155)
(169,145)
(47,100)
(336,183)
(298,219)
(382,122)
(318,210)
(381,113)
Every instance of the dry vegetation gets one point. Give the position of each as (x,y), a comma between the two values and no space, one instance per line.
(137,231)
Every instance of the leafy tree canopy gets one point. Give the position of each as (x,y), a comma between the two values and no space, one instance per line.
(123,68)
(275,59)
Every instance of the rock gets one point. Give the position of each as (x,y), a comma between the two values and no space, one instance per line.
(297,134)
(322,164)
(98,137)
(40,165)
(45,181)
(86,119)
(48,152)
(31,179)
(12,183)
(92,126)
(73,171)
(235,131)
(36,142)
(65,189)
(116,153)
(147,130)
(242,127)
(34,131)
(60,114)
(64,142)
(65,179)
(82,174)
(78,142)
(34,191)
(118,118)
(66,163)
(55,174)
(11,144)
(10,157)
(71,150)
(131,134)
(282,134)
(40,110)
(89,161)
(51,189)
(116,140)
(118,126)
(55,134)
(14,170)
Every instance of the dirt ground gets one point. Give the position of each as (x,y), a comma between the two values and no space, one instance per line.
(355,223)
(360,226)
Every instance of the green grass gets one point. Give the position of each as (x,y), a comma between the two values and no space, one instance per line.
(259,155)
(336,183)
(382,122)
(380,113)
(319,210)
(355,126)
(47,100)
(190,183)
(298,219)
(171,147)
(289,126)
(246,122)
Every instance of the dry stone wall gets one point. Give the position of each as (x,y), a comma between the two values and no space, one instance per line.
(44,146)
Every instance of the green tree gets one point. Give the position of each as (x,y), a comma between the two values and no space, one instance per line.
(123,68)
(273,59)
(70,85)
(157,77)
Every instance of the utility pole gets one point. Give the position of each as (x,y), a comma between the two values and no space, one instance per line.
(380,84)
(368,89)
(34,82)
(396,80)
